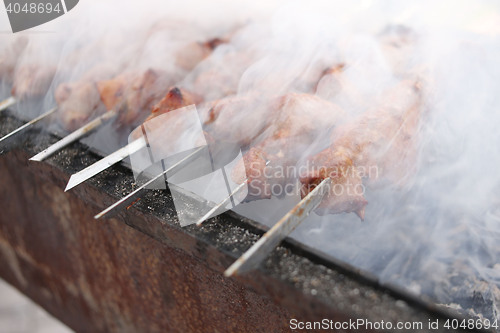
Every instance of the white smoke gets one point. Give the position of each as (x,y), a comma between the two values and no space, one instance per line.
(441,227)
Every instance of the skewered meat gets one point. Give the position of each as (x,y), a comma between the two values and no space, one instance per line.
(78,101)
(293,127)
(74,101)
(133,94)
(248,116)
(166,131)
(175,98)
(382,139)
(220,75)
(192,54)
(9,57)
(32,81)
(332,83)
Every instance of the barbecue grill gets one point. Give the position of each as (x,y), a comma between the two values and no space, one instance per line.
(146,203)
(140,271)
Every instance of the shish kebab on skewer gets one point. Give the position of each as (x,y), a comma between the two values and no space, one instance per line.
(202,50)
(384,137)
(8,60)
(129,96)
(397,43)
(293,129)
(266,113)
(134,91)
(185,58)
(83,99)
(30,81)
(21,68)
(174,100)
(120,97)
(222,88)
(279,143)
(76,101)
(268,161)
(273,110)
(225,84)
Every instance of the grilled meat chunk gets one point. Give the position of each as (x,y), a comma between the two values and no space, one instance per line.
(378,146)
(133,94)
(292,127)
(32,81)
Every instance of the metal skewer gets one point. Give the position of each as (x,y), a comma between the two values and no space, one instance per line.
(266,244)
(6,103)
(28,124)
(105,163)
(223,202)
(220,204)
(81,132)
(131,197)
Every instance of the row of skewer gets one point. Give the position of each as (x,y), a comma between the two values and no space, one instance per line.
(130,96)
(247,262)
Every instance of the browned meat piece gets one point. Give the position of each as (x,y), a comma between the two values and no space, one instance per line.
(133,94)
(176,98)
(346,194)
(32,81)
(293,126)
(330,81)
(379,145)
(251,170)
(77,102)
(192,54)
(336,86)
(238,119)
(215,84)
(111,91)
(170,132)
(219,76)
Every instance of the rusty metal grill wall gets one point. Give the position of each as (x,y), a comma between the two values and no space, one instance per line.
(141,271)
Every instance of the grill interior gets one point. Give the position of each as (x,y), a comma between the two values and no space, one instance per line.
(308,284)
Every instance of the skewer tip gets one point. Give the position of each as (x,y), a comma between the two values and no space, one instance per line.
(5,104)
(201,220)
(232,270)
(71,183)
(36,158)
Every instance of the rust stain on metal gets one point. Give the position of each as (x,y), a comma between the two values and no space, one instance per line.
(108,277)
(155,276)
(133,203)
